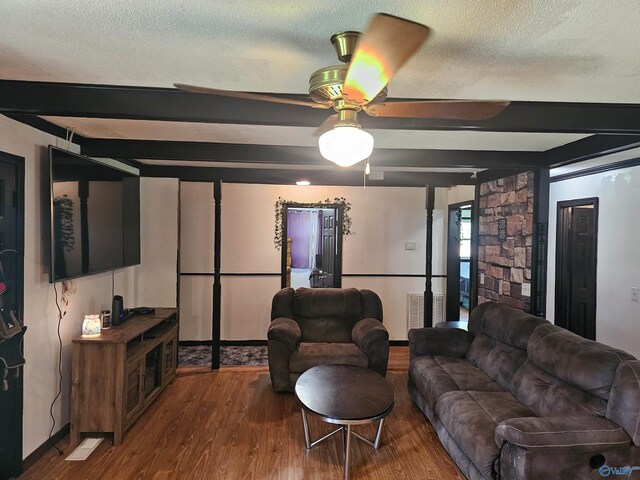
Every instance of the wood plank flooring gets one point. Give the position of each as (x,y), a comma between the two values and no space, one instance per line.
(229,424)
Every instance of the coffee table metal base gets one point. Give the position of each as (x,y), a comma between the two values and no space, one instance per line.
(347,432)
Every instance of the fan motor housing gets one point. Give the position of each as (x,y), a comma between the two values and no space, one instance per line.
(325,85)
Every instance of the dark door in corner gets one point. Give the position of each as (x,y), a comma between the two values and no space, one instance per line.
(11,259)
(458,260)
(576,260)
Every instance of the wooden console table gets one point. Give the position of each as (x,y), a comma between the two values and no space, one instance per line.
(117,375)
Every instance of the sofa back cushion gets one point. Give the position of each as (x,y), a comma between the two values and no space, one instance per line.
(566,374)
(326,314)
(501,335)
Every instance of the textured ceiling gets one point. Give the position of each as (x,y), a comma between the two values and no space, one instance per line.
(560,50)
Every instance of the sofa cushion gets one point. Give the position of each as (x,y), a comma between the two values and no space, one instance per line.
(471,419)
(498,360)
(312,354)
(501,336)
(587,365)
(547,396)
(505,324)
(566,374)
(434,376)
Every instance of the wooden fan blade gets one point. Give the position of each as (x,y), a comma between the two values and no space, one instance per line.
(386,44)
(445,109)
(327,125)
(263,97)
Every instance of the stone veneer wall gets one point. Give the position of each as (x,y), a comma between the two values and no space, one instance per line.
(506,265)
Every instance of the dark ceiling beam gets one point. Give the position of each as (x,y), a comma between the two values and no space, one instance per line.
(590,147)
(316,177)
(292,155)
(144,103)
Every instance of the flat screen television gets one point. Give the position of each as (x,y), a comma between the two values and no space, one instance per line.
(95,215)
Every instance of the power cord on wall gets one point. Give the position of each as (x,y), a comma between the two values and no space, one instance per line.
(53,418)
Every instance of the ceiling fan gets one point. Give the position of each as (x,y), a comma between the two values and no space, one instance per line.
(360,85)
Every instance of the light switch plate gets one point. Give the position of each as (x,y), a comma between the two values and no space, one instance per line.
(635,294)
(482,278)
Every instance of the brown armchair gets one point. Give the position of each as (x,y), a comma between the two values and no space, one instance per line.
(318,326)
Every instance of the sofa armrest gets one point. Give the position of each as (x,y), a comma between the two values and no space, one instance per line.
(367,332)
(285,330)
(447,342)
(575,434)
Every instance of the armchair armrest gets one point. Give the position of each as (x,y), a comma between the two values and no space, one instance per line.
(285,330)
(447,342)
(575,434)
(367,332)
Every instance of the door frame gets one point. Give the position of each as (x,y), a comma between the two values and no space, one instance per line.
(19,164)
(560,232)
(449,309)
(338,208)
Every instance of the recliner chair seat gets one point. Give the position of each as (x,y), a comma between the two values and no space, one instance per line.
(310,355)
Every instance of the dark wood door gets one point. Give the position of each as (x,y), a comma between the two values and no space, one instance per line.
(11,245)
(576,278)
(329,243)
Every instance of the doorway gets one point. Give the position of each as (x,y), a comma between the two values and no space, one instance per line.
(11,307)
(576,262)
(459,261)
(312,246)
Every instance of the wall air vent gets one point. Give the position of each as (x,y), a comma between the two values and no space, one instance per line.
(415,309)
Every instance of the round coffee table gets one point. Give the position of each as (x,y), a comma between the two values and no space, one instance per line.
(344,395)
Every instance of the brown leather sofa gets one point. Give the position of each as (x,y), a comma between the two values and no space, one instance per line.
(516,397)
(318,326)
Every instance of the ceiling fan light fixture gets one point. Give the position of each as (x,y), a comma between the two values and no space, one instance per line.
(346,145)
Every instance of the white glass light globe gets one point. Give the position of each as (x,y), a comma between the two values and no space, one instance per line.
(346,146)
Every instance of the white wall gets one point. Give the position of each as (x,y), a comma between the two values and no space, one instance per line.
(197,230)
(461,193)
(383,220)
(158,275)
(443,198)
(40,313)
(617,317)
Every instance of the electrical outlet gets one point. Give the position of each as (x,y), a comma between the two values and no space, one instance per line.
(635,294)
(526,290)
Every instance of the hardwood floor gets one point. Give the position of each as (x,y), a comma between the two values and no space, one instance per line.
(229,424)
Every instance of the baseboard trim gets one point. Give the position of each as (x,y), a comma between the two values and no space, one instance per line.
(194,343)
(260,343)
(243,343)
(39,452)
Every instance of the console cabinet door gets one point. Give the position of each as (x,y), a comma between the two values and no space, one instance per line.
(135,388)
(169,352)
